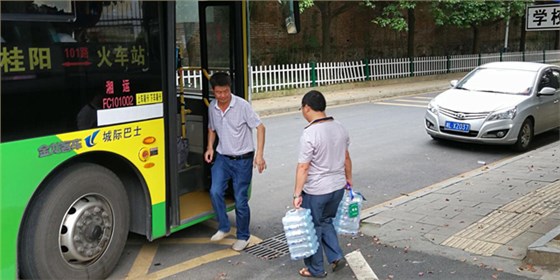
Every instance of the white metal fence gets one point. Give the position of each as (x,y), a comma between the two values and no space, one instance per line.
(279,77)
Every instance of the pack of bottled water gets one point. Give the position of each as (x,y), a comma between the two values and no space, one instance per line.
(300,233)
(347,220)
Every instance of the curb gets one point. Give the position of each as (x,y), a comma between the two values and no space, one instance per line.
(546,250)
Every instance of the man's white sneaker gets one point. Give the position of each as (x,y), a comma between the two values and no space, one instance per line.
(239,245)
(219,235)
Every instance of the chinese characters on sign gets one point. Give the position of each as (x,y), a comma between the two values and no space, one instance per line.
(543,17)
(149,98)
(117,101)
(15,59)
(121,56)
(19,59)
(118,134)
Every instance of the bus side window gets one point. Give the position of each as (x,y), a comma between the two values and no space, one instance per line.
(32,33)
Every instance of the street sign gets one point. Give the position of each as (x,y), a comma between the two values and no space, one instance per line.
(543,17)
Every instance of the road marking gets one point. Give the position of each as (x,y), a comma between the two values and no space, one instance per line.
(190,264)
(143,261)
(400,104)
(232,232)
(423,97)
(147,253)
(359,266)
(412,101)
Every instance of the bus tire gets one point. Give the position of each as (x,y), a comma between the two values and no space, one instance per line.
(77,227)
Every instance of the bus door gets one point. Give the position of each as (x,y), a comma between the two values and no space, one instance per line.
(209,38)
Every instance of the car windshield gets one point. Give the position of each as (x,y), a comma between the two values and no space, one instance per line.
(508,81)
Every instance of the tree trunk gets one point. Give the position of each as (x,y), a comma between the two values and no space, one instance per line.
(523,35)
(328,13)
(475,47)
(411,30)
(326,19)
(326,33)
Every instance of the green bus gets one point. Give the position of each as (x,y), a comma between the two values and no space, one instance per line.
(100,136)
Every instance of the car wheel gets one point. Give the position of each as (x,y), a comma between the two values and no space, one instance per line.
(77,226)
(525,136)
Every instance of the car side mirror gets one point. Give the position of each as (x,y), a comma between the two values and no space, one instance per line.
(453,83)
(548,91)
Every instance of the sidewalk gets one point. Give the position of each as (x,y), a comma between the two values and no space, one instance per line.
(493,216)
(505,215)
(353,93)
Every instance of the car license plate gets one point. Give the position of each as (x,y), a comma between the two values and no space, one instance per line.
(455,126)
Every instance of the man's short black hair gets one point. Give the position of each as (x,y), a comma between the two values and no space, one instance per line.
(220,79)
(315,100)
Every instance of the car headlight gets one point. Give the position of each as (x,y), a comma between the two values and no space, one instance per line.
(432,107)
(508,114)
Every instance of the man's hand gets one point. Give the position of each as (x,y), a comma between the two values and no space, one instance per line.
(297,201)
(259,163)
(209,155)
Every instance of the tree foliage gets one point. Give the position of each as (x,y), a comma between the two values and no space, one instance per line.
(393,15)
(398,15)
(329,10)
(468,14)
(475,13)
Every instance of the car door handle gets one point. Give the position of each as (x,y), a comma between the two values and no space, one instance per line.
(555,101)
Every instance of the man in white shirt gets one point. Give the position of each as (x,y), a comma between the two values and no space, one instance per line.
(232,119)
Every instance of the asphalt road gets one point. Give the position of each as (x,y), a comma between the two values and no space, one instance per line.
(391,153)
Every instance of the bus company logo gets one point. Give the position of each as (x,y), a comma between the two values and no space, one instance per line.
(59,147)
(90,139)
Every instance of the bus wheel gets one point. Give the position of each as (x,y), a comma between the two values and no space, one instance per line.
(76,227)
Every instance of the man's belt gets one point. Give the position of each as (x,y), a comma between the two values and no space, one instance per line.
(243,156)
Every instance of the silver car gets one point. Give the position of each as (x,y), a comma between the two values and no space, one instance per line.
(498,103)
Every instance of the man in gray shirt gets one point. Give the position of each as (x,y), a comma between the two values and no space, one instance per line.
(232,119)
(324,169)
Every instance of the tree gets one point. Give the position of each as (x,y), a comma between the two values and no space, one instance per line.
(393,17)
(474,14)
(329,10)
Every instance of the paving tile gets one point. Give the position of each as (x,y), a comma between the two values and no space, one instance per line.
(394,231)
(378,220)
(517,247)
(435,198)
(431,209)
(435,238)
(403,215)
(544,226)
(452,222)
(449,190)
(487,207)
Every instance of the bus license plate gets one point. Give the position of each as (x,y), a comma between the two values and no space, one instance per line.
(455,126)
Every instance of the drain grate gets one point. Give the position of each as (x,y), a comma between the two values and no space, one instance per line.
(271,248)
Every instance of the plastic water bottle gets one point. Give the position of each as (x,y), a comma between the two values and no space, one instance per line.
(300,233)
(347,220)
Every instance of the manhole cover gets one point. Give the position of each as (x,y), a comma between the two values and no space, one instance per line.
(271,248)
